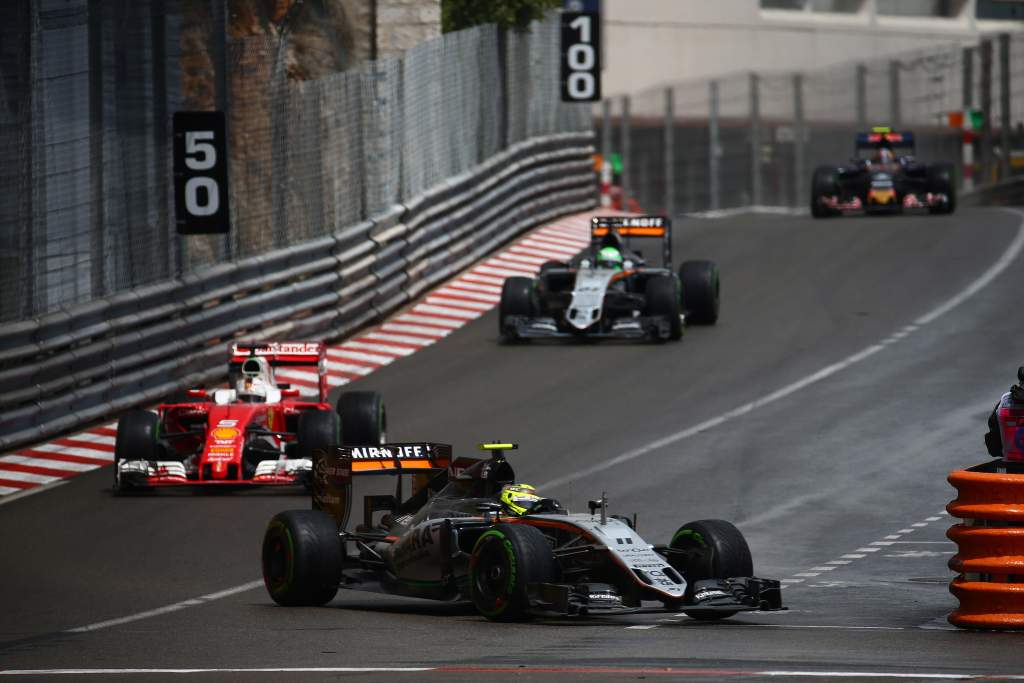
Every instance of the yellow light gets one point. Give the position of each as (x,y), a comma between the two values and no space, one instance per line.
(497,446)
(881,129)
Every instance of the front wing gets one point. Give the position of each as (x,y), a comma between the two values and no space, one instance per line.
(161,473)
(643,327)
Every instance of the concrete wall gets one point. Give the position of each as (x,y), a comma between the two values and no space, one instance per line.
(653,42)
(401,24)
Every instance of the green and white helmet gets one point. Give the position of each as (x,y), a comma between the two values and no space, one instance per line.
(609,257)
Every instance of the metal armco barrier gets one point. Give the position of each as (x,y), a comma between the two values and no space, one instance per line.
(990,546)
(88,363)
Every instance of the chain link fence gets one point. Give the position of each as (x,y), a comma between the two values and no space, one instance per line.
(755,139)
(88,89)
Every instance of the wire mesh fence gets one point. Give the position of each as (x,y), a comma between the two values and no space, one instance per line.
(754,139)
(88,89)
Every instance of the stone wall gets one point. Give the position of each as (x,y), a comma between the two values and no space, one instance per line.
(401,24)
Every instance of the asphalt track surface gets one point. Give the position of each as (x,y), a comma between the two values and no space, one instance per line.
(837,480)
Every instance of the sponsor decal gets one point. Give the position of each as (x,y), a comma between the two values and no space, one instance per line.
(709,593)
(389,453)
(225,433)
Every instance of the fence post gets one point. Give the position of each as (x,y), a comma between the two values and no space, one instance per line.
(894,93)
(714,149)
(624,178)
(1004,106)
(799,144)
(606,128)
(862,96)
(968,78)
(219,49)
(985,172)
(670,156)
(161,139)
(97,261)
(755,140)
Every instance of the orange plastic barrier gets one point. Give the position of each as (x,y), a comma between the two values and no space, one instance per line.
(990,546)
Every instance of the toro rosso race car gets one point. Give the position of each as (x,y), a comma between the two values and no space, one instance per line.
(469,532)
(609,291)
(884,177)
(258,432)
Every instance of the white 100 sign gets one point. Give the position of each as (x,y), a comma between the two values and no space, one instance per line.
(581,57)
(201,155)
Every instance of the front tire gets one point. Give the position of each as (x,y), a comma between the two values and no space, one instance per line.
(137,439)
(364,420)
(662,297)
(941,180)
(302,558)
(823,182)
(317,431)
(717,551)
(506,559)
(517,298)
(701,291)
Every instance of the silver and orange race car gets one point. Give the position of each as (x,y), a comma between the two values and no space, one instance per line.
(468,531)
(256,431)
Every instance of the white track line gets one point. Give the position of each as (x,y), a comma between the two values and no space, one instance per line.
(1011,253)
(192,602)
(276,670)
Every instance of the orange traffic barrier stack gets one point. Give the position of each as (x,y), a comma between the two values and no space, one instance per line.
(990,546)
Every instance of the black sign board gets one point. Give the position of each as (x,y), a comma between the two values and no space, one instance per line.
(200,173)
(581,56)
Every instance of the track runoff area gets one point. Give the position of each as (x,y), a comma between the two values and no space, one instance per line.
(430,319)
(859,543)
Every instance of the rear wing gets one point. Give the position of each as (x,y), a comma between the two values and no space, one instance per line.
(603,229)
(333,470)
(883,136)
(312,355)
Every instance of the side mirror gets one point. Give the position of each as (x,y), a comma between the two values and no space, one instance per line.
(489,506)
(201,393)
(290,392)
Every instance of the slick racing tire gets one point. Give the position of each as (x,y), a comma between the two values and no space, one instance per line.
(517,298)
(364,421)
(506,559)
(137,434)
(941,180)
(662,297)
(717,551)
(302,558)
(823,182)
(701,291)
(318,431)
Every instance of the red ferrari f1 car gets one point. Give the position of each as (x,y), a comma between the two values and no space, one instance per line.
(257,432)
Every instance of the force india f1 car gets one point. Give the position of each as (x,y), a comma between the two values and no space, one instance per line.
(467,532)
(257,433)
(595,296)
(884,177)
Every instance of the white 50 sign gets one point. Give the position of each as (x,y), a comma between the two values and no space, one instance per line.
(581,57)
(200,173)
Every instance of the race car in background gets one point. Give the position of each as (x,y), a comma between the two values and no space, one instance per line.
(256,432)
(470,532)
(883,177)
(609,291)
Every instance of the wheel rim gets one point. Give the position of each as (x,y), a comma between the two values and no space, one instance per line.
(277,562)
(492,574)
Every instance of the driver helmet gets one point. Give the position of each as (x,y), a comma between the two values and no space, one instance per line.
(609,257)
(519,499)
(885,156)
(255,380)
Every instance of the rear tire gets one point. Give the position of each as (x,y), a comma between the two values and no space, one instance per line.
(302,558)
(318,431)
(823,182)
(137,439)
(662,299)
(941,180)
(364,421)
(506,559)
(517,298)
(701,291)
(719,552)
